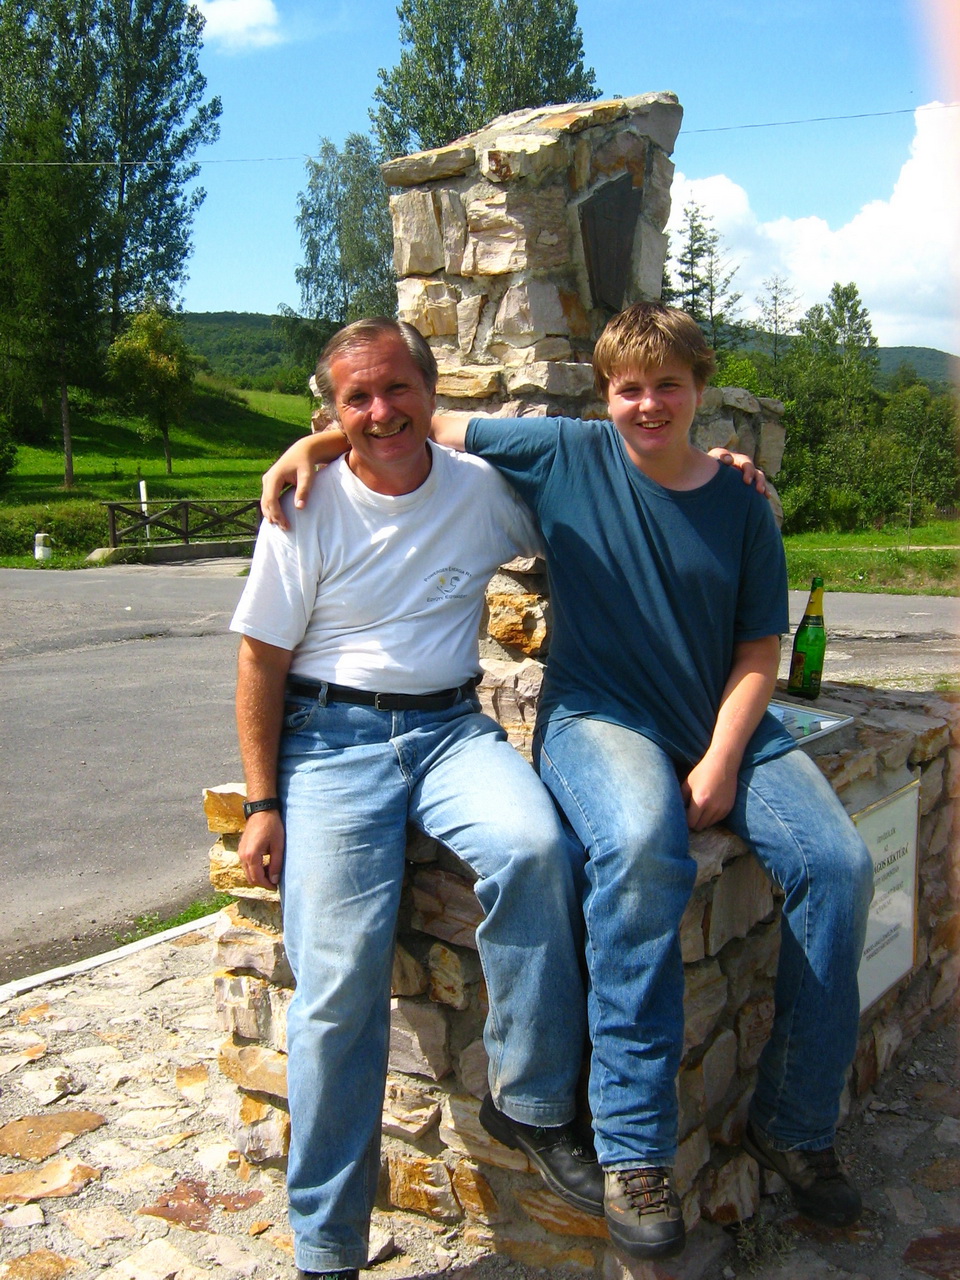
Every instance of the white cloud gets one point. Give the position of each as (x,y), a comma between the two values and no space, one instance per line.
(241,24)
(903,252)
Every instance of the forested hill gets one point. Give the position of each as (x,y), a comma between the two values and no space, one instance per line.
(245,348)
(241,346)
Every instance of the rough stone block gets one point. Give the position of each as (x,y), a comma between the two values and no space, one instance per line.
(453,229)
(771,442)
(931,784)
(476,1196)
(732,1192)
(417,243)
(692,947)
(703,1001)
(530,310)
(252,1008)
(553,1214)
(242,944)
(569,380)
(844,767)
(712,850)
(753,1022)
(691,1099)
(518,156)
(422,1185)
(445,906)
(461,1130)
(254,1068)
(409,1111)
(469,382)
(692,1154)
(474,1069)
(742,897)
(453,974)
(893,746)
(429,166)
(409,977)
(223,807)
(429,305)
(518,620)
(260,1131)
(419,1039)
(718,431)
(469,310)
(746,962)
(719,1066)
(738,398)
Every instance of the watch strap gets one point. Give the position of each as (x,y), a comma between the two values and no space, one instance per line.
(260,806)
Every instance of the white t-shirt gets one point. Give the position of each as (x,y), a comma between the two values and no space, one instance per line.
(385,593)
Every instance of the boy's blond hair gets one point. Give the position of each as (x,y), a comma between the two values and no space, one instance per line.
(646,335)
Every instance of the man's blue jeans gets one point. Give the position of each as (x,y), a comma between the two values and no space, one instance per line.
(351,778)
(621,794)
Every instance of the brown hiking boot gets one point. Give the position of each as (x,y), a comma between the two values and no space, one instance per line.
(643,1214)
(818,1182)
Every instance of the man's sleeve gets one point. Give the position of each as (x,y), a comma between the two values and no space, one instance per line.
(522,449)
(762,602)
(280,593)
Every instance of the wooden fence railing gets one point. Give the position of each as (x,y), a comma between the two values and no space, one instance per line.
(190,520)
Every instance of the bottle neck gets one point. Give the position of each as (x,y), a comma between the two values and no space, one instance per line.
(814,609)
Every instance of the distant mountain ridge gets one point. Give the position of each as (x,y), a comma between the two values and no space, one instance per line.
(243,346)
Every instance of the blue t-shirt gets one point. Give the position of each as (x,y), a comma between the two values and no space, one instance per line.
(650,588)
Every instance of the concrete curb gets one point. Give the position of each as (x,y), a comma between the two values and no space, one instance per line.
(20,985)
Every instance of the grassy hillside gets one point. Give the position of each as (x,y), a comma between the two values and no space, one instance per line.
(931,365)
(240,346)
(220,451)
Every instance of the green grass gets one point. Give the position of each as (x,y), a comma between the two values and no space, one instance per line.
(229,439)
(151,922)
(878,560)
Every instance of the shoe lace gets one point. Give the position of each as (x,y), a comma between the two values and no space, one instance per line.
(647,1190)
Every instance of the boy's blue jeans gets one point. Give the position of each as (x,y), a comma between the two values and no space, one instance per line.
(351,778)
(621,794)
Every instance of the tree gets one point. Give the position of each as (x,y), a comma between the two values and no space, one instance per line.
(152,121)
(152,370)
(346,234)
(705,276)
(461,64)
(100,112)
(778,309)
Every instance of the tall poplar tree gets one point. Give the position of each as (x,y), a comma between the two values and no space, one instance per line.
(463,63)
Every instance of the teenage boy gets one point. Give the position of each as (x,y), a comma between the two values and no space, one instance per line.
(668,590)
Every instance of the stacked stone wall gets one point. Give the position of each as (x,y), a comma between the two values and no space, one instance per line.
(437,1159)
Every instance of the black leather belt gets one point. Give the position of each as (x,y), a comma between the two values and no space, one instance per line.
(438,701)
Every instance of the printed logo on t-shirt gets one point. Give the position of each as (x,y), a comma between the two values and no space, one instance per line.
(449,583)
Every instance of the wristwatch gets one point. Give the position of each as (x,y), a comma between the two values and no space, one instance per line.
(260,806)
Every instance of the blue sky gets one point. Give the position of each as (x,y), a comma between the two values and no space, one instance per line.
(873,200)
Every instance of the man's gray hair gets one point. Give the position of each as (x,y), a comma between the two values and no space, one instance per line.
(362,332)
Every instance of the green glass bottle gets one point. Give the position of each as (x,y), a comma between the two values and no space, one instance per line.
(809,646)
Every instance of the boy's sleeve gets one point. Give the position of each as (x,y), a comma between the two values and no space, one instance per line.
(762,601)
(522,450)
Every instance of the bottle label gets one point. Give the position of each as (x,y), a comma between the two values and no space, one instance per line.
(796,671)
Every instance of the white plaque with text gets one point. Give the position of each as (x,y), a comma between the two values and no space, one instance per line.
(889,830)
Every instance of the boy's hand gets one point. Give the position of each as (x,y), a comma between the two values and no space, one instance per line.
(748,469)
(298,466)
(709,791)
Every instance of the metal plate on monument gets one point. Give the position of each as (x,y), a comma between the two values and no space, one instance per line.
(889,830)
(608,224)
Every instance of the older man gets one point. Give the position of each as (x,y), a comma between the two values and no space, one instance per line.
(357,714)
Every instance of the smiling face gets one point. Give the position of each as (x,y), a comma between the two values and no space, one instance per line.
(653,410)
(384,407)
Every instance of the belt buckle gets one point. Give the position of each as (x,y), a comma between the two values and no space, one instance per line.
(376,701)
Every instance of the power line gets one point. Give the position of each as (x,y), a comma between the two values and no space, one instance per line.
(862,115)
(724,128)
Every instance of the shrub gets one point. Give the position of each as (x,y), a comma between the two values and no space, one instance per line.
(73,526)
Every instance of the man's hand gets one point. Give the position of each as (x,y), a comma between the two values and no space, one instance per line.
(297,467)
(750,472)
(709,792)
(261,849)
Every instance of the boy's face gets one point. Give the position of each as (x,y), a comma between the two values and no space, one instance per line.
(653,410)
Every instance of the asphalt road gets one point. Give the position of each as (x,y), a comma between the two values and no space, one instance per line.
(116,690)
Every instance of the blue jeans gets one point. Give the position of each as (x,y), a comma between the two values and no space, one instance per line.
(621,794)
(351,778)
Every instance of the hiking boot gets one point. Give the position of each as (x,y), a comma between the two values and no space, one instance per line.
(817,1181)
(643,1212)
(567,1165)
